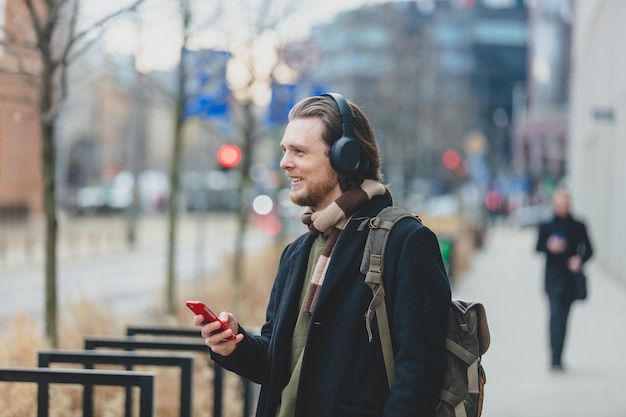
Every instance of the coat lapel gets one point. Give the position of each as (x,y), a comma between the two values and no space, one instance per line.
(290,300)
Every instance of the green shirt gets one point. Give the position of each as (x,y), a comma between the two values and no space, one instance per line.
(287,407)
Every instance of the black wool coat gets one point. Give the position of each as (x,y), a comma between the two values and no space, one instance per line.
(558,277)
(343,374)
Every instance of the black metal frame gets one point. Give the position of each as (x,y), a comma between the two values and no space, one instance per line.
(155,330)
(128,359)
(194,332)
(160,343)
(45,376)
(132,343)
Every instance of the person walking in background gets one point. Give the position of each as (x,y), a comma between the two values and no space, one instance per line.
(313,357)
(566,244)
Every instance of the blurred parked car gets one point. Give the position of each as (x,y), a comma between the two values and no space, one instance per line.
(118,194)
(530,216)
(212,190)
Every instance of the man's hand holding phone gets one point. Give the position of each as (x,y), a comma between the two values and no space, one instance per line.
(220,333)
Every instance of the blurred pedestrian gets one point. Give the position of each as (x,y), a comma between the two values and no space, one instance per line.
(566,244)
(314,356)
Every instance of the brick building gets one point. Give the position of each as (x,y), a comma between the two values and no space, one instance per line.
(20,144)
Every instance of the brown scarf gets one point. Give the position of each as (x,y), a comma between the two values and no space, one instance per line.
(331,221)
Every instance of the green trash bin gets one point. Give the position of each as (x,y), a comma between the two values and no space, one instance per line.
(446,245)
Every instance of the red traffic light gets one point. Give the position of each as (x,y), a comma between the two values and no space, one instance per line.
(451,159)
(229,156)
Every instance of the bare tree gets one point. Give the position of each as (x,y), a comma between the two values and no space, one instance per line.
(189,29)
(256,22)
(262,21)
(50,33)
(185,15)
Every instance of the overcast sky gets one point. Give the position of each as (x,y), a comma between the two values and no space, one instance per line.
(160,28)
(160,25)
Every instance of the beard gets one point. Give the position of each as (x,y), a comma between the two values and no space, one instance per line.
(315,192)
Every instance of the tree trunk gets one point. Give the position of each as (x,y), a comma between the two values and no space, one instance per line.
(173,219)
(48,172)
(246,161)
(174,192)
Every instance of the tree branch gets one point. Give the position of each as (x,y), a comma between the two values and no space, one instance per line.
(100,23)
(76,54)
(64,57)
(11,39)
(19,62)
(35,19)
(210,20)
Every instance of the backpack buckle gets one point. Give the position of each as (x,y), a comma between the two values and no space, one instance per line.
(375,223)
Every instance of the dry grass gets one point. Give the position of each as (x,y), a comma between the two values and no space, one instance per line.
(22,339)
(18,347)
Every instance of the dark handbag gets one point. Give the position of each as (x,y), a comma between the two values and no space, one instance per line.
(580,286)
(580,279)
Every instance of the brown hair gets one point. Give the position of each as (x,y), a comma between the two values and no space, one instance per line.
(326,109)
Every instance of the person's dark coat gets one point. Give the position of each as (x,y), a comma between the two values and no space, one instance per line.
(342,374)
(558,277)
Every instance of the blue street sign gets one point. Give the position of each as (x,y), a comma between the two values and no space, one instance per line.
(206,91)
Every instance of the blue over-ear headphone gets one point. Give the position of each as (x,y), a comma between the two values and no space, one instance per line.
(345,153)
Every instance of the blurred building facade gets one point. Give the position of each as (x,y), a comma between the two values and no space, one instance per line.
(432,76)
(596,168)
(105,123)
(113,121)
(20,143)
(539,129)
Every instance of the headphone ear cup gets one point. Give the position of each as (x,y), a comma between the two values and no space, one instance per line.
(345,155)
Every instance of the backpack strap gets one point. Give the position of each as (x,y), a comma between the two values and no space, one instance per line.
(472,362)
(372,267)
(455,401)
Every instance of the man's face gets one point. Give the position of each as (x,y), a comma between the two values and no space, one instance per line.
(560,203)
(306,164)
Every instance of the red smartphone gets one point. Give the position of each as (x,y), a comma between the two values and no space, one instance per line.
(199,307)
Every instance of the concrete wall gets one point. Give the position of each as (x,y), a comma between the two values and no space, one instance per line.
(598,128)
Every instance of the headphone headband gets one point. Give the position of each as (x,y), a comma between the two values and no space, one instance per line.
(345,112)
(345,152)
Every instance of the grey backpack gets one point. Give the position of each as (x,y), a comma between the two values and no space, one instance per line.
(467,336)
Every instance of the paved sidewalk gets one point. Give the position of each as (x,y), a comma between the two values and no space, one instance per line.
(507,276)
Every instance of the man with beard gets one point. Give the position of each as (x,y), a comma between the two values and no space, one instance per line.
(313,356)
